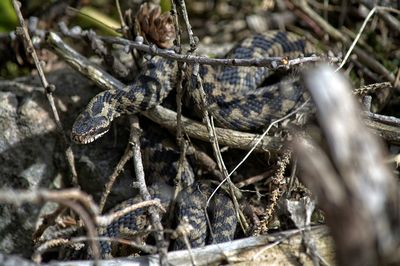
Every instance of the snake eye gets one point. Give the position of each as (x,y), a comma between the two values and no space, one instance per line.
(86,128)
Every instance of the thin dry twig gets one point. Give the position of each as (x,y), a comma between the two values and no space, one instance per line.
(269,62)
(193,40)
(117,170)
(49,89)
(254,179)
(179,95)
(81,203)
(155,219)
(124,27)
(51,244)
(233,190)
(105,220)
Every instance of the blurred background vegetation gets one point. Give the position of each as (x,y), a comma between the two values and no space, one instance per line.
(214,22)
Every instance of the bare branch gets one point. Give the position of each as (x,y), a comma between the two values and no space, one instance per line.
(49,89)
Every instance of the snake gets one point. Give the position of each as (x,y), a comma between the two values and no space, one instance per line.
(239,98)
(161,161)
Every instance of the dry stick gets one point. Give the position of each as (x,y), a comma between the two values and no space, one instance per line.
(49,89)
(105,220)
(124,27)
(81,203)
(254,179)
(143,247)
(50,244)
(80,63)
(117,170)
(226,137)
(234,192)
(75,241)
(269,62)
(141,181)
(192,38)
(179,128)
(354,186)
(47,220)
(66,231)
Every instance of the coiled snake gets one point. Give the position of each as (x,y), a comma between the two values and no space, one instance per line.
(235,97)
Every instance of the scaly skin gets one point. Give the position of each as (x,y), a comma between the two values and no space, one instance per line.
(233,96)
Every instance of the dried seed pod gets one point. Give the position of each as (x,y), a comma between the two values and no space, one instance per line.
(156,27)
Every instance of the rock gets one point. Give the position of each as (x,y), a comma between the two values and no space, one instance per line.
(31,155)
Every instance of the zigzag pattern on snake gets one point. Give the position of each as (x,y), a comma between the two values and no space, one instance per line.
(161,162)
(235,97)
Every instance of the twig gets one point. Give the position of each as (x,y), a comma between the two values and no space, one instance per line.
(192,39)
(49,89)
(234,252)
(81,203)
(138,165)
(124,27)
(117,170)
(269,62)
(227,137)
(205,162)
(74,242)
(105,220)
(254,179)
(82,64)
(46,221)
(51,244)
(234,191)
(179,128)
(391,120)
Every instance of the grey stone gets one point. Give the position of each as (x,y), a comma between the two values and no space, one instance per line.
(31,155)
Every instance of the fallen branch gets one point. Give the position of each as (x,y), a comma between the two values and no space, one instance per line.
(281,248)
(353,184)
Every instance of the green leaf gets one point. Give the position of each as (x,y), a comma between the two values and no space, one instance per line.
(8,18)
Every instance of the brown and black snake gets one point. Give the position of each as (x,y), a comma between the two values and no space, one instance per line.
(236,97)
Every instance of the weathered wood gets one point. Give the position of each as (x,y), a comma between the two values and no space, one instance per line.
(348,174)
(284,248)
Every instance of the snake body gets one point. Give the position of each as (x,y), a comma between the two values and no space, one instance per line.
(161,162)
(235,96)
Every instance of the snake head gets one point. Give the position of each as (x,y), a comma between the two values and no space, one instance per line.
(88,128)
